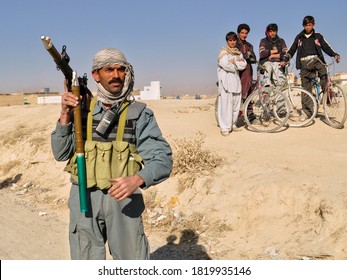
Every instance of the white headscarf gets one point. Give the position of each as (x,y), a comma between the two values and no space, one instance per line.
(111,56)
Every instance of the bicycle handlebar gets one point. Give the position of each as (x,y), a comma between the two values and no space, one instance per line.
(318,59)
(287,57)
(260,66)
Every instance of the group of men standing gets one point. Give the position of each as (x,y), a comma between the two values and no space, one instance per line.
(273,55)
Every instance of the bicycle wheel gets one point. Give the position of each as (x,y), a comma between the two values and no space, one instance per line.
(303,107)
(334,105)
(261,113)
(281,107)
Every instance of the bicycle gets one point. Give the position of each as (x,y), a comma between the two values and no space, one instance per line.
(333,98)
(303,105)
(265,109)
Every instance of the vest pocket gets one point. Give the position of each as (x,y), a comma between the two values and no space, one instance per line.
(90,157)
(103,164)
(120,157)
(135,163)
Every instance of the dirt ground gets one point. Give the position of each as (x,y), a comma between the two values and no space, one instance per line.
(249,196)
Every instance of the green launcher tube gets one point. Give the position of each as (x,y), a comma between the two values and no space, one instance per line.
(82,183)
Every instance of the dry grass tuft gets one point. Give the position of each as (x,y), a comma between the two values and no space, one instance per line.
(191,157)
(191,160)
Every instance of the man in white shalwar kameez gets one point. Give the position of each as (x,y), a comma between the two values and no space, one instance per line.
(230,61)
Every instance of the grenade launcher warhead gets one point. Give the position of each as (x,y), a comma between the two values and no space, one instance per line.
(61,60)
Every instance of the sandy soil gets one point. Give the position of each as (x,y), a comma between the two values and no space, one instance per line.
(251,196)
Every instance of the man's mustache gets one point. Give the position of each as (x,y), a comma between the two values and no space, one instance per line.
(115,80)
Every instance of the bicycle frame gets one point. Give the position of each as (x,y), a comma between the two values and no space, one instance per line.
(257,87)
(317,87)
(333,98)
(303,107)
(266,109)
(315,82)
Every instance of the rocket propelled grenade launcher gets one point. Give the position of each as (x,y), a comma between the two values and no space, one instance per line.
(81,163)
(78,86)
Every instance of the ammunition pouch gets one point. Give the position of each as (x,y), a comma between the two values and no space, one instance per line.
(105,160)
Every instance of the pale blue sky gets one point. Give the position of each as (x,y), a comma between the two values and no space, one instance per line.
(175,42)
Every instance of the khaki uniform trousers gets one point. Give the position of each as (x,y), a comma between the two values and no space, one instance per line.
(118,223)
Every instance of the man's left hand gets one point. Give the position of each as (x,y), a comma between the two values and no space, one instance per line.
(124,187)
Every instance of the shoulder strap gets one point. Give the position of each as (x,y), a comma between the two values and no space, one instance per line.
(90,119)
(121,122)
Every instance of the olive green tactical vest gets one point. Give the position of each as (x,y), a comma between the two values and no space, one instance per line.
(106,160)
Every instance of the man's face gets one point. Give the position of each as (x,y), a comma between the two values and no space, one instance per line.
(232,43)
(243,35)
(272,34)
(111,78)
(308,27)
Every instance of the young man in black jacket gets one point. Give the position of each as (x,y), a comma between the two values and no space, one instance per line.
(311,45)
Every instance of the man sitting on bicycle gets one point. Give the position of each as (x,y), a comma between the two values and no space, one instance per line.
(272,49)
(310,45)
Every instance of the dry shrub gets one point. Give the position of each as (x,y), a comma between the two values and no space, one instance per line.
(191,160)
(185,182)
(190,156)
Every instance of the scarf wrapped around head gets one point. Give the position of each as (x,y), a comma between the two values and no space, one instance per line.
(274,27)
(227,50)
(107,57)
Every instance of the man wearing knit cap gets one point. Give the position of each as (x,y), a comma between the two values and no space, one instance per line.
(124,155)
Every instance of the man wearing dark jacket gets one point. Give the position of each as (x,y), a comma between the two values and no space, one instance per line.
(248,54)
(246,49)
(272,49)
(311,45)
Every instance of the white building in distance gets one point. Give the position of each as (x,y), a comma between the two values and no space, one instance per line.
(151,92)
